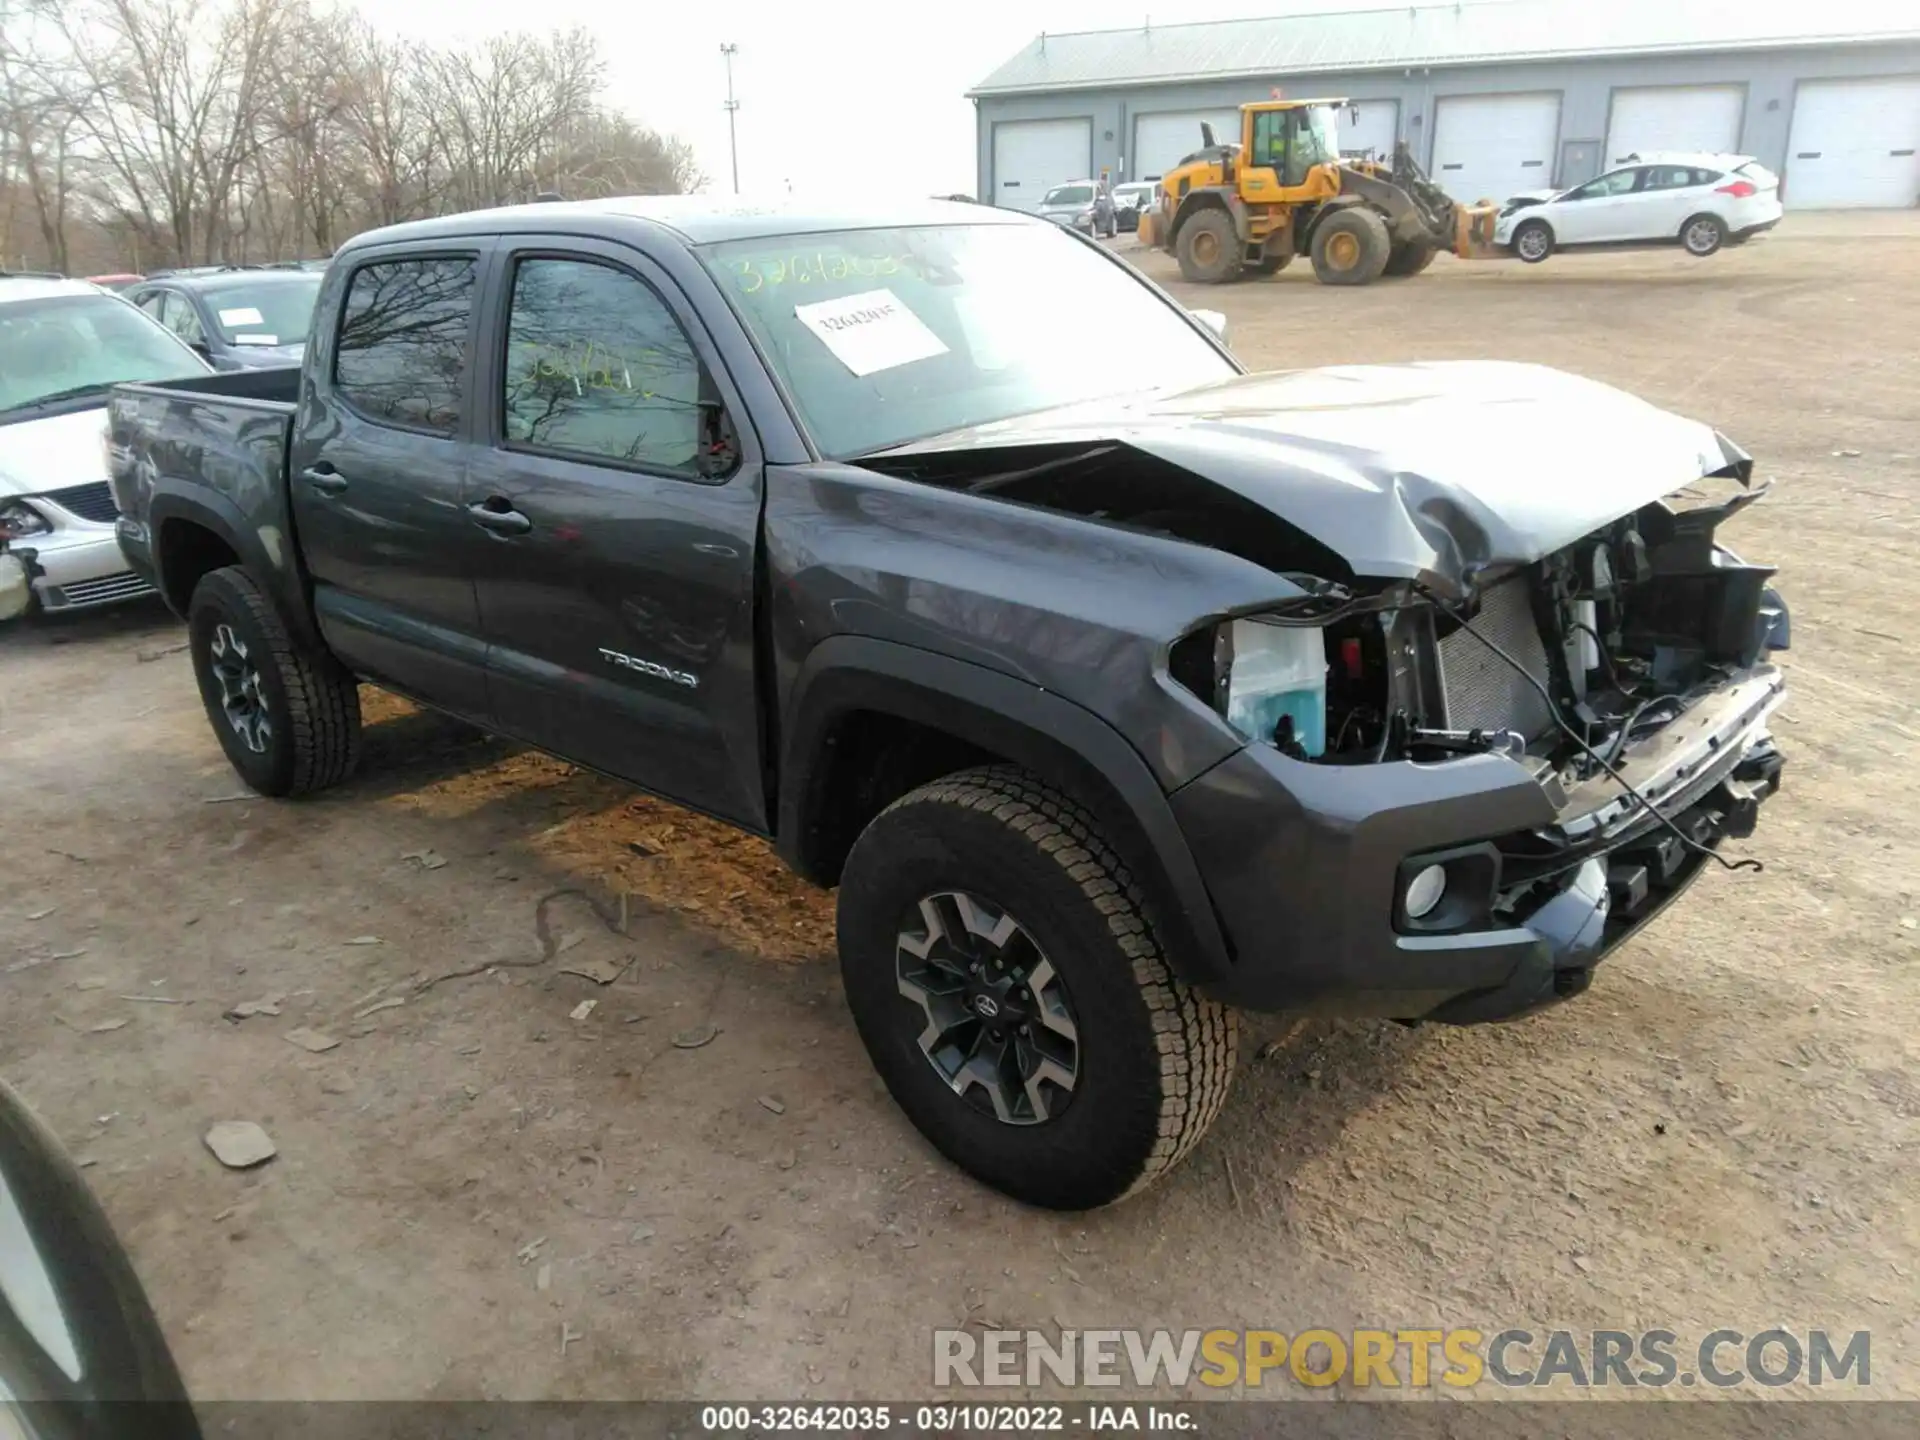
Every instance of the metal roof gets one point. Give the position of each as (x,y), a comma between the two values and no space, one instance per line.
(1437,35)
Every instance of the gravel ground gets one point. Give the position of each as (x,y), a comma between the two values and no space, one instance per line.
(1721,1133)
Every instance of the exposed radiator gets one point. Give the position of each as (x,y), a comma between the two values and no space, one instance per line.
(1482,691)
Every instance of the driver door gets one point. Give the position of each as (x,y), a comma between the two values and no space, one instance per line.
(1599,210)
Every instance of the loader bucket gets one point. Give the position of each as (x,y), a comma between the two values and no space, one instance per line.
(1473,232)
(1149,233)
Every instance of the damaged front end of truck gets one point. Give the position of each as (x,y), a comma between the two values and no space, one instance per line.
(1506,710)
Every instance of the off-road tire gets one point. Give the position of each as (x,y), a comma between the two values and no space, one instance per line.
(1351,247)
(1410,258)
(1208,249)
(1530,251)
(1703,235)
(312,705)
(1157,1057)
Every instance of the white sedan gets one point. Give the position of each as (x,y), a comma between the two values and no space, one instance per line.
(1699,202)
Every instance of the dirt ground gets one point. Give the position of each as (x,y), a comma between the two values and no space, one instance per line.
(1722,1132)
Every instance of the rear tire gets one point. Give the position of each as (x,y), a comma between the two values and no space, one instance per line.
(1410,258)
(288,718)
(1351,247)
(1208,249)
(1022,885)
(1533,241)
(1703,235)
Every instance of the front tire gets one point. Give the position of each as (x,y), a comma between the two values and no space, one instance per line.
(1703,235)
(1351,247)
(1533,241)
(1013,996)
(1208,249)
(288,718)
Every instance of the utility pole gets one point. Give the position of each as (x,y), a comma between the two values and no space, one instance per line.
(727,52)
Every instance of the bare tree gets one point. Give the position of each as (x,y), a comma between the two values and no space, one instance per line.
(173,131)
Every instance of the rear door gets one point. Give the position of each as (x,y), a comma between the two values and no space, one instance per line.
(377,470)
(1668,196)
(619,515)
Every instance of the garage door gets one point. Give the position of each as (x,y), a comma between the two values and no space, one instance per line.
(1161,141)
(1030,157)
(1487,147)
(1675,117)
(1372,131)
(1853,145)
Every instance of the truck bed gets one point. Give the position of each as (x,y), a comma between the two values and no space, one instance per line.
(215,445)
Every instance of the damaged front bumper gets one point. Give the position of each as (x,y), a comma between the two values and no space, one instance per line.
(1306,864)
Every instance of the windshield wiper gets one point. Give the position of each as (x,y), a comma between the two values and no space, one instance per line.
(74,392)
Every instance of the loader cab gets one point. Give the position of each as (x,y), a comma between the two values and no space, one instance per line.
(1284,142)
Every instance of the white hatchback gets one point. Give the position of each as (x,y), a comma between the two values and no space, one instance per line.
(1699,202)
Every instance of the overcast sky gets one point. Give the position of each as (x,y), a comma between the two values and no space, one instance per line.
(829,90)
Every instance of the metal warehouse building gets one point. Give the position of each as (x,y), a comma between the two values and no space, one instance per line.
(1491,97)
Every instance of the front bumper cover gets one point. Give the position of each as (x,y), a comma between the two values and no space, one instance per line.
(1301,861)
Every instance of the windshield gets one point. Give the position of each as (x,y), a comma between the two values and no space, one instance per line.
(1317,141)
(1069,195)
(272,313)
(885,336)
(81,343)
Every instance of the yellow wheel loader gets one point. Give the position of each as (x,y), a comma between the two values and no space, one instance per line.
(1283,190)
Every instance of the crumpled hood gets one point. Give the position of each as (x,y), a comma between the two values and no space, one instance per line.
(53,452)
(1423,471)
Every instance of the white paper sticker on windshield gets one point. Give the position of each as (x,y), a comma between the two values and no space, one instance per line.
(871,331)
(256,339)
(244,316)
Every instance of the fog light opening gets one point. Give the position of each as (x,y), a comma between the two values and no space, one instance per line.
(1425,891)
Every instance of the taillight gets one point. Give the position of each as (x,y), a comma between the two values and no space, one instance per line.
(1739,189)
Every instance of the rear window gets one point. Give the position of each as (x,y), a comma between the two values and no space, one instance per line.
(270,312)
(402,354)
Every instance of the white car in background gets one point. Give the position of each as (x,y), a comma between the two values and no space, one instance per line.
(1699,202)
(63,345)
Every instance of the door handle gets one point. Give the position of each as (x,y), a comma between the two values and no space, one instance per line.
(326,481)
(498,515)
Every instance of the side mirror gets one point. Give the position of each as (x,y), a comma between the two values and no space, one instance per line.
(1214,321)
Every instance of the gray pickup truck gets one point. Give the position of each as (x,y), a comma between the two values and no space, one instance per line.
(1114,687)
